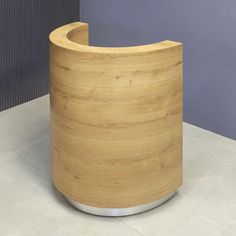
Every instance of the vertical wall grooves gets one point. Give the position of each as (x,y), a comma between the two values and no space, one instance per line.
(24,29)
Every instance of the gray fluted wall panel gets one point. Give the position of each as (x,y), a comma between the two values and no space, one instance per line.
(24,30)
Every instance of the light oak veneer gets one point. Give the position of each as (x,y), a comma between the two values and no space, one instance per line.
(116,119)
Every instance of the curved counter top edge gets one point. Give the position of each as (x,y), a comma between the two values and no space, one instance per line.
(66,37)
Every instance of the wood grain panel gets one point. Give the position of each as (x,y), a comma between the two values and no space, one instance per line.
(116,119)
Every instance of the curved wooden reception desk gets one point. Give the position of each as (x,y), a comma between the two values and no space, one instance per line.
(116,122)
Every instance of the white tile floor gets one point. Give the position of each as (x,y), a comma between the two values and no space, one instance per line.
(29,205)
